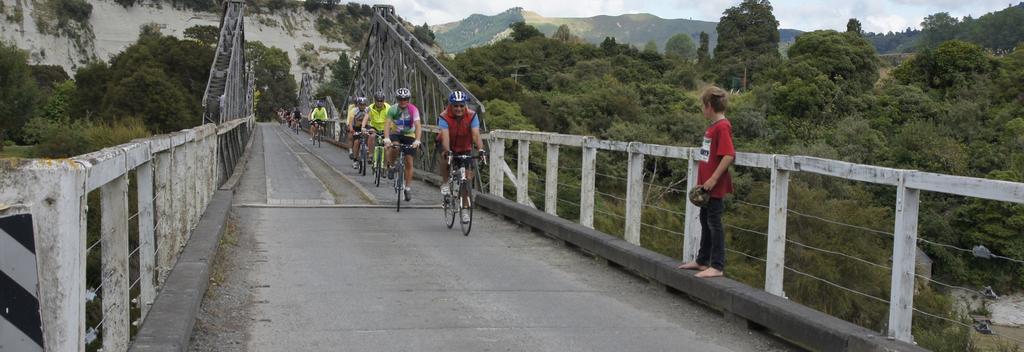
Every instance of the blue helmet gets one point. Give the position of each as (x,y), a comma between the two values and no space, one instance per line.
(458,97)
(319,103)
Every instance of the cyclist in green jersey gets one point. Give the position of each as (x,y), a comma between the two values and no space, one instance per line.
(317,119)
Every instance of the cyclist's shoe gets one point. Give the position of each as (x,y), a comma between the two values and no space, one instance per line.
(465,218)
(355,165)
(391,173)
(408,194)
(445,189)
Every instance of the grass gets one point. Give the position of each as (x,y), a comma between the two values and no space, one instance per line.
(17,151)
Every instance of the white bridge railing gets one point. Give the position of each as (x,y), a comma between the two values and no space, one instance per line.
(908,183)
(175,176)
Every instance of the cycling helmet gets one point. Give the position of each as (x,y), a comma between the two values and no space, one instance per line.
(361,100)
(458,97)
(379,95)
(319,103)
(403,93)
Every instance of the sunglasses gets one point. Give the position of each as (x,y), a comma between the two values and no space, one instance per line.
(458,105)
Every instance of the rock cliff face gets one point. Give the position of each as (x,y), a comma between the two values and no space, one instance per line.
(112,27)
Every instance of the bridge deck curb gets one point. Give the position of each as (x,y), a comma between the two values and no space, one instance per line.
(789,320)
(168,327)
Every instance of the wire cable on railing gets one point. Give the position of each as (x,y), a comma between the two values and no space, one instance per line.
(993,333)
(834,222)
(979,251)
(751,204)
(665,210)
(746,255)
(610,195)
(734,227)
(966,289)
(609,214)
(662,229)
(836,285)
(868,262)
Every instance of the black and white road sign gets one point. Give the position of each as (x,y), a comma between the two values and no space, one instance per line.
(20,325)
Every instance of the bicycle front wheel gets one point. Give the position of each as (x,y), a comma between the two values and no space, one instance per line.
(399,186)
(466,205)
(449,205)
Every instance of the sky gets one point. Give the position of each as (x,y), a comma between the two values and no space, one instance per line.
(875,15)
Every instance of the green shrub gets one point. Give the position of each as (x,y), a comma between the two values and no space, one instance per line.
(62,137)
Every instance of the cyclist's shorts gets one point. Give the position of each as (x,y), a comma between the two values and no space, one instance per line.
(320,123)
(357,129)
(403,139)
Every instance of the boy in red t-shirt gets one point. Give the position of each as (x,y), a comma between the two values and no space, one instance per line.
(715,156)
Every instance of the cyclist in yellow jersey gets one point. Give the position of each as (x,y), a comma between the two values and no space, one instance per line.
(378,117)
(317,119)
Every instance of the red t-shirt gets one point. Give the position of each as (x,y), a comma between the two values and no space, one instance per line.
(717,143)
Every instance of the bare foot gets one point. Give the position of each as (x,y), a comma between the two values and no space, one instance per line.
(691,266)
(709,272)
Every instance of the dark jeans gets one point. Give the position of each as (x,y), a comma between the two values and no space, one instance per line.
(712,235)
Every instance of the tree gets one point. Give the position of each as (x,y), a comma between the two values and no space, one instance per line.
(952,63)
(748,42)
(681,46)
(704,52)
(273,78)
(148,93)
(341,78)
(938,28)
(424,34)
(18,92)
(563,34)
(845,57)
(651,46)
(522,31)
(853,26)
(205,34)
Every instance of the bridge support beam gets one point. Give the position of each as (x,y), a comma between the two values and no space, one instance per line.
(904,253)
(776,258)
(634,194)
(551,181)
(691,239)
(588,171)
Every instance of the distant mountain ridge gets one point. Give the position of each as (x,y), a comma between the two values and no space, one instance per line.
(635,29)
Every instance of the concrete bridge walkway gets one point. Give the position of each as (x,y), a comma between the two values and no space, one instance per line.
(310,264)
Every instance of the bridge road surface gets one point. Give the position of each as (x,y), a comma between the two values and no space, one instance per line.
(317,268)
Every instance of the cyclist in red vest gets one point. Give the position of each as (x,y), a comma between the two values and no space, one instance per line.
(460,129)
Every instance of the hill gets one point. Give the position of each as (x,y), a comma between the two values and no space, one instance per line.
(634,29)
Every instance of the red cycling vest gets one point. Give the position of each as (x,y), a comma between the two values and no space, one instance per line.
(460,132)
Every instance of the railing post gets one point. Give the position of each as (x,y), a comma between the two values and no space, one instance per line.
(776,261)
(551,181)
(523,173)
(163,201)
(634,194)
(497,175)
(691,239)
(904,253)
(114,241)
(58,213)
(588,170)
(144,188)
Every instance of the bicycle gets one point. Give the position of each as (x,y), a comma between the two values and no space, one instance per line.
(399,168)
(363,151)
(459,199)
(318,139)
(378,158)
